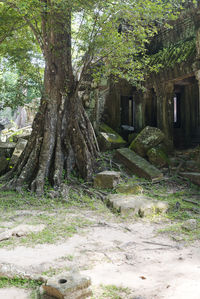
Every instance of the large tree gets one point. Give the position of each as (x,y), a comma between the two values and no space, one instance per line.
(106,37)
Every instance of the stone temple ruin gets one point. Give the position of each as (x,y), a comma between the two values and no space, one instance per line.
(171,101)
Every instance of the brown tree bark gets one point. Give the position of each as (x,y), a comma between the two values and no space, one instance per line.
(62,132)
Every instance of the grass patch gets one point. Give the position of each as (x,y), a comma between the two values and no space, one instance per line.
(57,228)
(111,292)
(55,214)
(6,282)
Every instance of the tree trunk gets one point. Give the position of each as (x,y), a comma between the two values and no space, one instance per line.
(62,132)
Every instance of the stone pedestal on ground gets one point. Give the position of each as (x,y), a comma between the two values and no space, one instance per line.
(137,165)
(107,179)
(74,286)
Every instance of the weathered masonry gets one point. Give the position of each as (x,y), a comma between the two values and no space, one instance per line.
(171,101)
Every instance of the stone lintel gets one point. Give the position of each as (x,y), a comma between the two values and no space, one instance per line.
(137,165)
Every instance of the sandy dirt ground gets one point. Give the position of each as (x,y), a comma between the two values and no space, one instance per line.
(130,254)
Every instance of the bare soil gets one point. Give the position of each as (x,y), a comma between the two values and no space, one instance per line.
(116,251)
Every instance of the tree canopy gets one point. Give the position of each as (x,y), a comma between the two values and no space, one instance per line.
(95,38)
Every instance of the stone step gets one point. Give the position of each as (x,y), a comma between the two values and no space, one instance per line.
(194,177)
(140,205)
(138,165)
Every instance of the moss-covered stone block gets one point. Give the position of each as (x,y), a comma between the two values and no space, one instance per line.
(107,179)
(109,141)
(137,165)
(158,157)
(106,129)
(149,137)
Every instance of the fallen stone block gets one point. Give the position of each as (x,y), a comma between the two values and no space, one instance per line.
(157,157)
(68,286)
(136,205)
(194,177)
(20,146)
(149,137)
(109,141)
(107,179)
(137,165)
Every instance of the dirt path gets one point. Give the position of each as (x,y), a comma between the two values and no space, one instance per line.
(122,253)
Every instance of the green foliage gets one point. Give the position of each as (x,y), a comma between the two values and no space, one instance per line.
(21,63)
(169,57)
(97,41)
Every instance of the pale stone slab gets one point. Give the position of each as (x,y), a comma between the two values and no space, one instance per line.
(136,205)
(20,146)
(107,179)
(137,165)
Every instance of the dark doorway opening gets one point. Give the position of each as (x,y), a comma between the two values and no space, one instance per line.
(127,110)
(127,116)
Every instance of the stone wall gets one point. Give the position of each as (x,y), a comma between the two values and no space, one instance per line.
(177,50)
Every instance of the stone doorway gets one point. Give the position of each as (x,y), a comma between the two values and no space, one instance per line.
(186,113)
(127,110)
